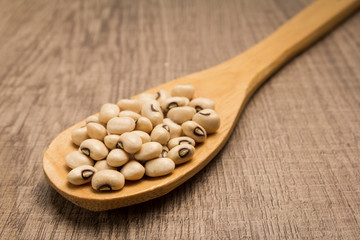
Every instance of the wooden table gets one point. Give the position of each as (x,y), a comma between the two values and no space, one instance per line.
(291,169)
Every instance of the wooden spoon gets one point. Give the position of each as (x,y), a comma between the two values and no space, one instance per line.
(229,84)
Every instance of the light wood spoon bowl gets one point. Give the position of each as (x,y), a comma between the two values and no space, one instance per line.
(229,84)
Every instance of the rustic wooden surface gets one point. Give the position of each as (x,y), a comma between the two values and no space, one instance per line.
(290,170)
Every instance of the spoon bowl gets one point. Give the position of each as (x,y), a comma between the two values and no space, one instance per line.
(229,84)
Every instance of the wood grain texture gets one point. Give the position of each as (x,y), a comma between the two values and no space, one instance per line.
(290,170)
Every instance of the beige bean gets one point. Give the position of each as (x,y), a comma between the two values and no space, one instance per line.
(180,115)
(117,157)
(181,153)
(76,159)
(208,119)
(159,167)
(92,118)
(143,124)
(131,114)
(108,111)
(119,125)
(175,129)
(194,130)
(161,95)
(160,134)
(148,151)
(180,140)
(164,152)
(183,91)
(111,141)
(152,111)
(78,135)
(146,97)
(94,149)
(130,142)
(107,180)
(130,104)
(81,175)
(133,170)
(143,135)
(96,131)
(173,102)
(202,103)
(102,165)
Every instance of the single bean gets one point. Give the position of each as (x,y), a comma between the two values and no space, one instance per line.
(151,110)
(130,104)
(161,95)
(143,124)
(183,91)
(133,170)
(159,167)
(130,142)
(108,111)
(96,131)
(173,102)
(202,103)
(208,119)
(119,125)
(146,97)
(117,157)
(102,165)
(94,149)
(179,141)
(107,180)
(175,129)
(160,134)
(180,115)
(143,135)
(131,114)
(81,175)
(76,159)
(194,130)
(78,135)
(148,151)
(181,153)
(92,118)
(111,141)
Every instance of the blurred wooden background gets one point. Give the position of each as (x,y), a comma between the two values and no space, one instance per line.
(289,171)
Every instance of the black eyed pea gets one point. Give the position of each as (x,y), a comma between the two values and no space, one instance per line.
(159,167)
(81,175)
(164,152)
(107,180)
(160,134)
(108,111)
(79,135)
(117,158)
(173,102)
(143,135)
(180,115)
(133,170)
(208,119)
(143,124)
(111,141)
(161,95)
(92,118)
(96,131)
(179,141)
(131,114)
(181,153)
(119,125)
(183,91)
(175,129)
(194,130)
(130,105)
(76,159)
(94,149)
(130,142)
(148,151)
(102,165)
(152,111)
(202,103)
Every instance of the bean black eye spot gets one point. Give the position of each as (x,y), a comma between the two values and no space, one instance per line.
(199,132)
(85,151)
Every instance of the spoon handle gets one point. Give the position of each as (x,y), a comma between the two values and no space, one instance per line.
(290,39)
